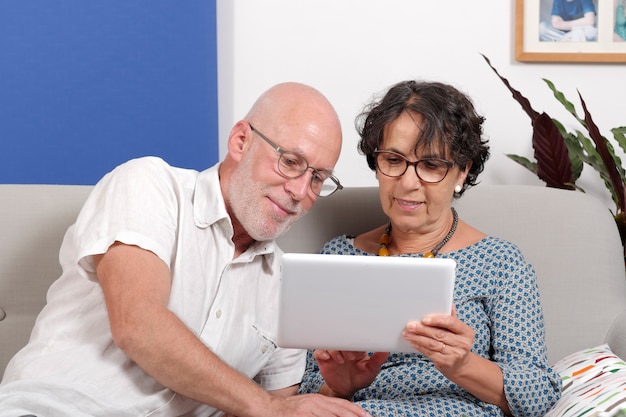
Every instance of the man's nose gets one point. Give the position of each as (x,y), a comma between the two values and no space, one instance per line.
(299,187)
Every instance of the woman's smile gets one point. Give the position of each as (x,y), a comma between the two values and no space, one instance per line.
(408,204)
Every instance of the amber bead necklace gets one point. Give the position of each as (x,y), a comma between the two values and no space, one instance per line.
(386,238)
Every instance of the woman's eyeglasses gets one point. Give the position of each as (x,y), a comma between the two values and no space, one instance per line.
(430,170)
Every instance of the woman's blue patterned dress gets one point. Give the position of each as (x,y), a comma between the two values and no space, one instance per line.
(496,294)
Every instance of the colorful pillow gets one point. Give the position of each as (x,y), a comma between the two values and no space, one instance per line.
(594,384)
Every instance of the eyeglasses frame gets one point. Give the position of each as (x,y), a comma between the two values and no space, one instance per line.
(449,164)
(282,151)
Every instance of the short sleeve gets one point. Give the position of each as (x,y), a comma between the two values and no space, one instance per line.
(137,204)
(284,369)
(588,6)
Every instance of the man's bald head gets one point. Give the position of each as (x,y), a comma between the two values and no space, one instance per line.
(262,201)
(292,104)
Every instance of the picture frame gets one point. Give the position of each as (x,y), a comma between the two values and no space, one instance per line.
(531,17)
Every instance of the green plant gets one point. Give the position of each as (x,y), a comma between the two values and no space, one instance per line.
(560,155)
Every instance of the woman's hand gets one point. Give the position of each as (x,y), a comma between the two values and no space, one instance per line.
(347,372)
(445,339)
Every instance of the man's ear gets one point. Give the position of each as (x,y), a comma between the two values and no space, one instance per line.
(239,140)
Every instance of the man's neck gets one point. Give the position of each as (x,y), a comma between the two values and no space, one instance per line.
(242,241)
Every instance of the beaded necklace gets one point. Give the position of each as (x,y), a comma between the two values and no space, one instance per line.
(386,238)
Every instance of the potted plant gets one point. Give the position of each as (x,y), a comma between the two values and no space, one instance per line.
(560,155)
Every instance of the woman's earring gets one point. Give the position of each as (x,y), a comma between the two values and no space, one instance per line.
(458,189)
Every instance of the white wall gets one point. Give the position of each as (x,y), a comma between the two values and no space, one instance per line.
(351,49)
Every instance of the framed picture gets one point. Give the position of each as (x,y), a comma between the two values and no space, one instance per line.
(570,30)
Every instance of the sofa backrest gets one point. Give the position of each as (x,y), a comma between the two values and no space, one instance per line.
(569,237)
(33,221)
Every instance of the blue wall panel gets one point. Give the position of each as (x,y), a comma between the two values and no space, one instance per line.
(86,85)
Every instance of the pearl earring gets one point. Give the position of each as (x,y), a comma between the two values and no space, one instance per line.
(458,188)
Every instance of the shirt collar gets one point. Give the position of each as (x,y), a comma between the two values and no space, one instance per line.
(209,207)
(208,201)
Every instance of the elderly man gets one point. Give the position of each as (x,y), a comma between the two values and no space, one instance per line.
(166,305)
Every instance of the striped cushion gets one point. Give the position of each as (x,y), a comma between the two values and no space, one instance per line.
(594,384)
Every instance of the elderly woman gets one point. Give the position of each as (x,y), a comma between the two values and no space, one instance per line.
(488,357)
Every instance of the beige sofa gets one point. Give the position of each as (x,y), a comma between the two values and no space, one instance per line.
(568,236)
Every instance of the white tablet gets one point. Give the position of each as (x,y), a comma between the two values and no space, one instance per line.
(360,303)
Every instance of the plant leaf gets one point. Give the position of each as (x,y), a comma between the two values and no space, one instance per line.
(525,162)
(619,135)
(607,159)
(553,161)
(574,150)
(591,157)
(523,101)
(560,97)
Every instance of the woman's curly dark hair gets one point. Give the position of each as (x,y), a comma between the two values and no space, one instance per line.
(448,118)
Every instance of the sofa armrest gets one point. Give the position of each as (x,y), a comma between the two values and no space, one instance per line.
(616,336)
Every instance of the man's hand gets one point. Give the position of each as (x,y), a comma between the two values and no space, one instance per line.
(347,372)
(311,405)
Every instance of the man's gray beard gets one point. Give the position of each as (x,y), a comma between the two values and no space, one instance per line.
(242,194)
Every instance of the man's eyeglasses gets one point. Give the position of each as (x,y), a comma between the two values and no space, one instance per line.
(293,165)
(431,170)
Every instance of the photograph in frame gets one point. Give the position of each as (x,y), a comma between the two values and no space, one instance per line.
(570,30)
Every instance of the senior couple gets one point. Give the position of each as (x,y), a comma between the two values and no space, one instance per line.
(166,304)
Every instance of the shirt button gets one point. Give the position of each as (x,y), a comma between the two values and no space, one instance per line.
(264,348)
(218,313)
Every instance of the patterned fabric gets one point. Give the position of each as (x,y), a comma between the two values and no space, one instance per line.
(496,294)
(594,382)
